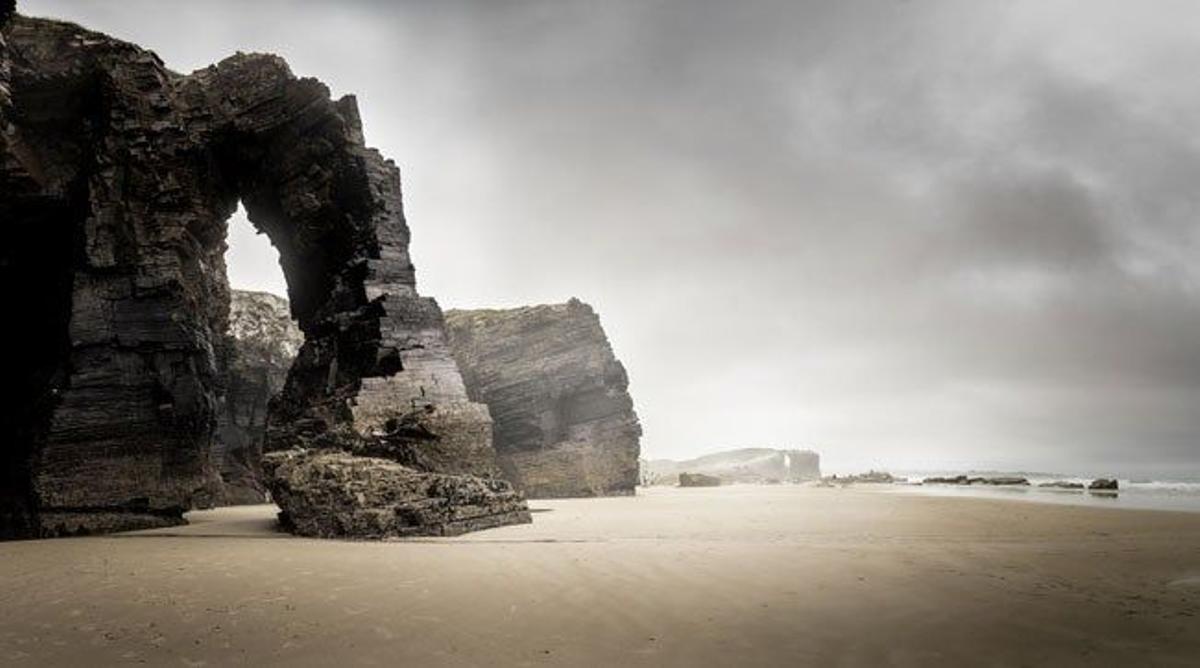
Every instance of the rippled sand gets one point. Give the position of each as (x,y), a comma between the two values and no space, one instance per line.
(729,576)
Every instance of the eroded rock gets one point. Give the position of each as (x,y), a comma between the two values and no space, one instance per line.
(564,420)
(698,480)
(262,342)
(870,477)
(117,177)
(1062,484)
(330,494)
(977,480)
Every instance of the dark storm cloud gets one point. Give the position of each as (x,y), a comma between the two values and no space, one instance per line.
(907,233)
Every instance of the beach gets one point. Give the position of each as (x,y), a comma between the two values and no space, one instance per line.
(740,575)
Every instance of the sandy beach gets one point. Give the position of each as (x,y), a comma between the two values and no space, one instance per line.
(776,575)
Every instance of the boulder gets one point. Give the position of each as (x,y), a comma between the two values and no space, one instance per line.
(1104,485)
(331,494)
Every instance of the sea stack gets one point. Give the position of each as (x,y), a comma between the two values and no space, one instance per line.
(564,420)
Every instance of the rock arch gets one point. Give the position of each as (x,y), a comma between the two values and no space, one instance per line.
(117,178)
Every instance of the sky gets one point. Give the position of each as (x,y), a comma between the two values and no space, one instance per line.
(910,234)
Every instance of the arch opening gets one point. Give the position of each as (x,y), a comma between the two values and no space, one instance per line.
(258,347)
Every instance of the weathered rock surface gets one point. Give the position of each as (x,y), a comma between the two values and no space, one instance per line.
(976,480)
(262,342)
(330,494)
(1104,484)
(1062,484)
(117,177)
(564,420)
(870,477)
(745,465)
(698,480)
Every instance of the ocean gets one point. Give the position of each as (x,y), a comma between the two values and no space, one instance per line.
(1136,493)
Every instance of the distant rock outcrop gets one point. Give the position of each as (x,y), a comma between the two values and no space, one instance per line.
(977,480)
(698,480)
(870,477)
(1104,484)
(564,420)
(262,342)
(1062,484)
(747,465)
(330,494)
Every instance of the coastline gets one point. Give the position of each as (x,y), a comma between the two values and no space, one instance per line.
(739,575)
(1183,497)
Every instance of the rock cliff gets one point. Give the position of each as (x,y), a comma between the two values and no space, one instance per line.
(262,342)
(564,420)
(117,177)
(745,465)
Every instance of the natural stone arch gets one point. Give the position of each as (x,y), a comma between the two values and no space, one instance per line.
(129,172)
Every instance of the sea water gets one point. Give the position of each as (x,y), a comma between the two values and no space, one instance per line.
(1138,493)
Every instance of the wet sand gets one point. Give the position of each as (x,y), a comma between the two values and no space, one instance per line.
(742,575)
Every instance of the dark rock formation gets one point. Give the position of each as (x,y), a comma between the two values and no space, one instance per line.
(1062,484)
(978,480)
(746,465)
(1002,480)
(698,480)
(1104,484)
(262,342)
(870,477)
(329,494)
(564,421)
(117,177)
(946,480)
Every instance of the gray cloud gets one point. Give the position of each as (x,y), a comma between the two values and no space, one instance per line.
(911,233)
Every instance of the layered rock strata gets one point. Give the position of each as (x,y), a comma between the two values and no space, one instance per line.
(564,423)
(261,344)
(117,177)
(328,494)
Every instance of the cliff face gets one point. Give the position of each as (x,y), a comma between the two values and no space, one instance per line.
(117,177)
(746,465)
(564,420)
(262,342)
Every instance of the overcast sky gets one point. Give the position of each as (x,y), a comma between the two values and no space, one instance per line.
(908,234)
